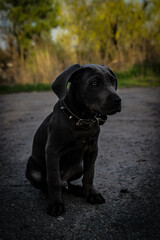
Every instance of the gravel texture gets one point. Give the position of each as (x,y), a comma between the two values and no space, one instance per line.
(127,173)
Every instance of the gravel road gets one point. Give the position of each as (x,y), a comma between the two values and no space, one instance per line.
(127,173)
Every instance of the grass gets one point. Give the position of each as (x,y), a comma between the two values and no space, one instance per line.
(25,88)
(141,75)
(137,76)
(138,82)
(122,83)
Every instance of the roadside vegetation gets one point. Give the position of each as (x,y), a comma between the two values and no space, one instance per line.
(39,40)
(137,76)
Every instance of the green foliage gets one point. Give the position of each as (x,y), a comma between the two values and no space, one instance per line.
(138,82)
(123,34)
(105,28)
(141,70)
(133,77)
(25,88)
(30,21)
(110,31)
(140,75)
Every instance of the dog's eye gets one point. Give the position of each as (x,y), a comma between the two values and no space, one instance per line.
(94,83)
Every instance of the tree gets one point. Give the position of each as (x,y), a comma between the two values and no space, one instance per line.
(106,30)
(28,22)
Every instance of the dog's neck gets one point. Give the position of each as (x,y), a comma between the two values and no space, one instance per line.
(77,105)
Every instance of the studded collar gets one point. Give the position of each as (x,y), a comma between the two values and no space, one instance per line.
(98,119)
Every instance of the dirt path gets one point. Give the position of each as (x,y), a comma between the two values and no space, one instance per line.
(127,173)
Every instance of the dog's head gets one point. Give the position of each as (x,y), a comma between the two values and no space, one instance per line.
(95,85)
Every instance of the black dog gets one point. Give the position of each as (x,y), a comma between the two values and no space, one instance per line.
(65,145)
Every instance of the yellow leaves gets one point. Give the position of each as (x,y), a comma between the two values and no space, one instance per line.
(108,28)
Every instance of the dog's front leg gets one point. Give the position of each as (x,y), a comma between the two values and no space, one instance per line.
(55,205)
(92,195)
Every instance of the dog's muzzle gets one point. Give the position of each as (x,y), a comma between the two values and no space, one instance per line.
(113,104)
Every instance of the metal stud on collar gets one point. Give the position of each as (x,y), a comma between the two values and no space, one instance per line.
(97,119)
(79,123)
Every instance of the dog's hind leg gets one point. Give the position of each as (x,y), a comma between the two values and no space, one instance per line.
(76,189)
(35,176)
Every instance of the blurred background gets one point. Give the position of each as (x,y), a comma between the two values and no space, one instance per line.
(38,39)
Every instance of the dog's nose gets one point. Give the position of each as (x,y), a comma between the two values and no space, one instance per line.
(115,99)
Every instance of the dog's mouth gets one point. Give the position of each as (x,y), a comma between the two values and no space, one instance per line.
(110,110)
(106,110)
(113,110)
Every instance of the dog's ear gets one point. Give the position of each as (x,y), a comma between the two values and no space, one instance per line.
(59,86)
(113,76)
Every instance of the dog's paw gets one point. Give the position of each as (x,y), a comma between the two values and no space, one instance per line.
(56,209)
(95,198)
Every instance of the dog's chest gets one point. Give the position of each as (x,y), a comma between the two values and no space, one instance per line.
(79,143)
(72,155)
(76,145)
